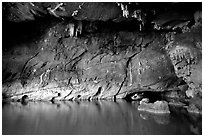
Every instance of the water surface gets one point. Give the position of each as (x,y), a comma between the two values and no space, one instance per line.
(97,117)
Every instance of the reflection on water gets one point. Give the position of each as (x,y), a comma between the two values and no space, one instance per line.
(99,117)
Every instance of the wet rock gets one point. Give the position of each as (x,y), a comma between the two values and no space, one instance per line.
(176,103)
(193,109)
(24,100)
(144,100)
(158,107)
(56,98)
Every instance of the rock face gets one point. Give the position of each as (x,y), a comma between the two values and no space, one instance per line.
(92,67)
(152,67)
(193,109)
(186,58)
(23,11)
(73,58)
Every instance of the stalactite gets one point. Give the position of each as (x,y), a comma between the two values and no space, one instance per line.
(78,29)
(52,11)
(71,29)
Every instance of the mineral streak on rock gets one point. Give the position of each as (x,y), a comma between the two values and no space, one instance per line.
(186,58)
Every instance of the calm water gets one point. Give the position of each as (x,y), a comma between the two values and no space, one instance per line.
(99,117)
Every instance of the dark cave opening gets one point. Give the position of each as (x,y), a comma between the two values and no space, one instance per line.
(152,96)
(16,33)
(28,30)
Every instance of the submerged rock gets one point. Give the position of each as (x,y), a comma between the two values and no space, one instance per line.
(159,107)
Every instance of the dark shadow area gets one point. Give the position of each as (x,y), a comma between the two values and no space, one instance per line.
(16,33)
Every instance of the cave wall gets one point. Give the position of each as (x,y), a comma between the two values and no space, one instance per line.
(105,61)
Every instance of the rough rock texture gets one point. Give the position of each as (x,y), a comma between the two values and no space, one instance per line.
(22,11)
(101,53)
(165,15)
(186,56)
(160,107)
(90,67)
(193,109)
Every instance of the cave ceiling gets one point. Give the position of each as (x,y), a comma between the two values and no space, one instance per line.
(160,13)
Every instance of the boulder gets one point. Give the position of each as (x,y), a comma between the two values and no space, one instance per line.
(152,68)
(158,107)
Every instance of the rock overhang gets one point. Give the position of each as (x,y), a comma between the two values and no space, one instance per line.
(110,61)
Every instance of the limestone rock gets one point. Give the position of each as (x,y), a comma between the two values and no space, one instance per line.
(159,107)
(106,63)
(185,55)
